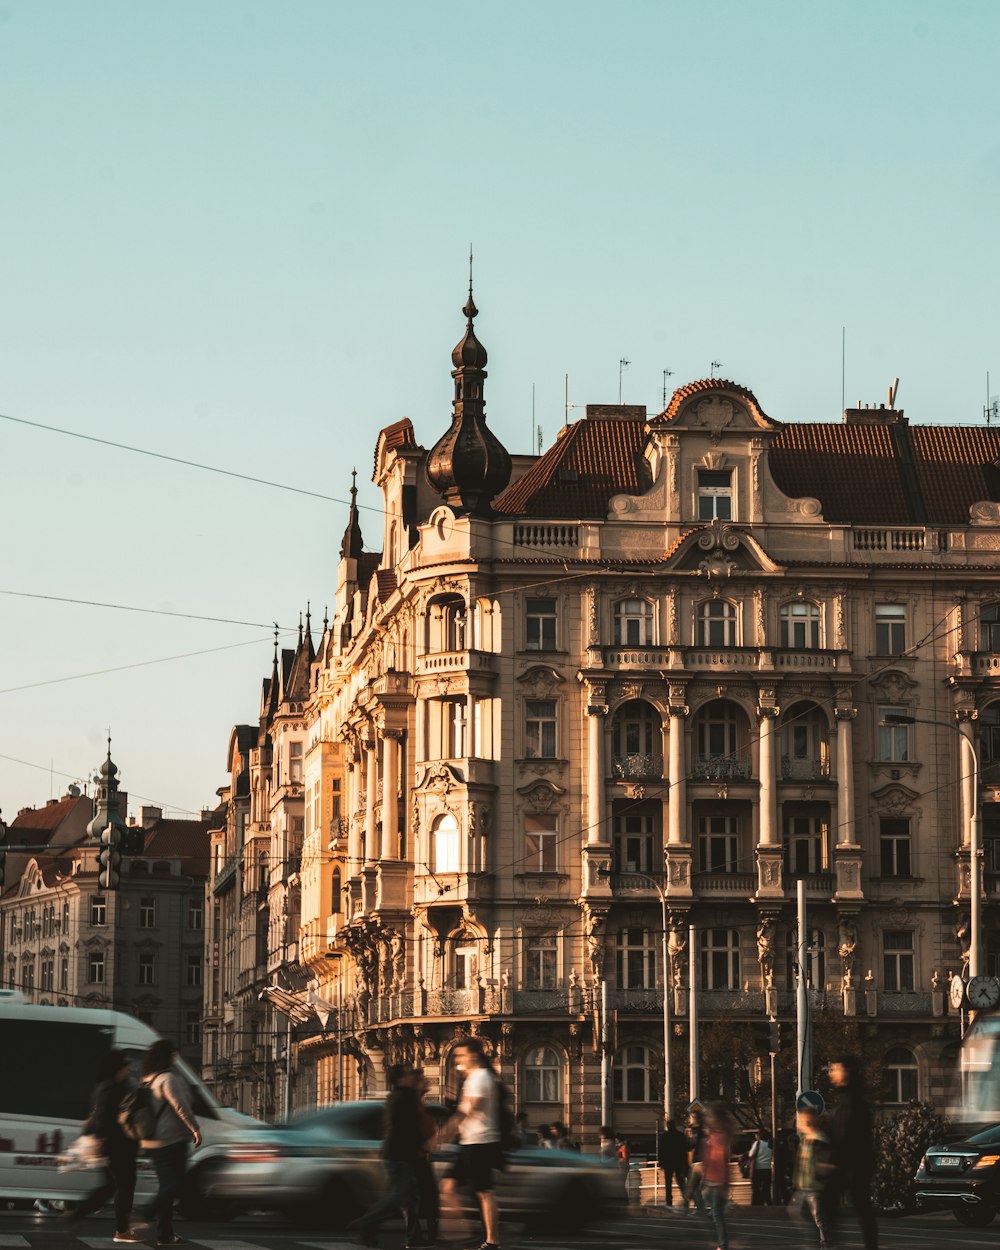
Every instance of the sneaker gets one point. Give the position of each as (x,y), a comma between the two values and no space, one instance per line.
(129,1238)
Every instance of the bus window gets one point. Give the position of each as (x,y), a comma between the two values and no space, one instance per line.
(50,1067)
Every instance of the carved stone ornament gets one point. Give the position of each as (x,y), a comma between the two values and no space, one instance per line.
(541,679)
(895,800)
(541,795)
(714,414)
(440,777)
(985,512)
(714,460)
(893,687)
(593,619)
(847,948)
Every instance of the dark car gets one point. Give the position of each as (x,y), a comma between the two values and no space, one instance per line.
(963,1177)
(324,1169)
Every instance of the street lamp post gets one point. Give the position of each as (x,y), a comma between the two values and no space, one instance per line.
(975,866)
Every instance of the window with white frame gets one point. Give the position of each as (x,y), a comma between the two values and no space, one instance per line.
(542,1075)
(295,762)
(465,961)
(147,968)
(634,623)
(336,804)
(455,713)
(718,842)
(806,842)
(65,918)
(194,970)
(540,729)
(716,623)
(893,740)
(541,843)
(192,1028)
(635,959)
(445,849)
(989,628)
(717,730)
(147,913)
(541,953)
(895,847)
(890,629)
(799,626)
(195,913)
(95,968)
(715,495)
(635,1075)
(720,959)
(98,910)
(902,1076)
(540,624)
(897,960)
(637,842)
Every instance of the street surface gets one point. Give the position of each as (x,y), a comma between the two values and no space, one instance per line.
(763,1228)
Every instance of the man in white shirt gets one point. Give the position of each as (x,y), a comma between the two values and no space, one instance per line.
(478,1119)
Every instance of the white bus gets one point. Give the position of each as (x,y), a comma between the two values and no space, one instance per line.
(979,1091)
(49,1057)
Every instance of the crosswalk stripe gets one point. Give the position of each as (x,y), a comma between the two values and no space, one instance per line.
(326,1245)
(12,1239)
(229,1244)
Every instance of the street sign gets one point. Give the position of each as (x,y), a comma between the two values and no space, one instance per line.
(810,1100)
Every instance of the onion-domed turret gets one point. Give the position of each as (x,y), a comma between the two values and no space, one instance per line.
(469,466)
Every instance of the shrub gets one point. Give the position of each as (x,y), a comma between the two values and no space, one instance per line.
(900,1142)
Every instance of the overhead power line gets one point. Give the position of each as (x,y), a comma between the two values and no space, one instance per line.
(129,607)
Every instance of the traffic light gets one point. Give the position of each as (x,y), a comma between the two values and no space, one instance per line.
(111,859)
(774,1039)
(133,840)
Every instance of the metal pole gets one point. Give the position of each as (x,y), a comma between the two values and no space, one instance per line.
(774,1129)
(668,1085)
(975,867)
(804,1077)
(288,1068)
(694,1078)
(606,1106)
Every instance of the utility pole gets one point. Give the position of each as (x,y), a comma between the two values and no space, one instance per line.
(606,1104)
(694,1077)
(804,1035)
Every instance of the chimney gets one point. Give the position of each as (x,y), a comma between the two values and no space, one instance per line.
(205,815)
(148,816)
(874,414)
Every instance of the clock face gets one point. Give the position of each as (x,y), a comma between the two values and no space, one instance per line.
(984,993)
(957,992)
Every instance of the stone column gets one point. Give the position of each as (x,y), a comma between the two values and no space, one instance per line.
(390,801)
(353,827)
(967,766)
(371,796)
(677,773)
(769,850)
(847,851)
(596,832)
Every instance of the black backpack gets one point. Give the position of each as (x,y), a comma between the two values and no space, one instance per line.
(510,1139)
(138,1114)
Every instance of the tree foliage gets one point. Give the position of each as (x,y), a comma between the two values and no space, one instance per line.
(900,1142)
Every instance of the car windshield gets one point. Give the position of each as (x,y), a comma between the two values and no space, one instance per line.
(988,1138)
(352,1123)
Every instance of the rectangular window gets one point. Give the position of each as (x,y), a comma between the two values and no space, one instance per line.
(540,844)
(95,968)
(295,762)
(540,729)
(64,973)
(890,629)
(147,968)
(636,960)
(47,975)
(540,625)
(637,843)
(192,1026)
(894,848)
(893,740)
(456,726)
(196,913)
(147,913)
(98,910)
(194,971)
(897,960)
(805,845)
(317,805)
(715,495)
(540,953)
(28,975)
(718,843)
(335,804)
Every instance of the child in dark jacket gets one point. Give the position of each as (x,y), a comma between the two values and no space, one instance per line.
(813,1168)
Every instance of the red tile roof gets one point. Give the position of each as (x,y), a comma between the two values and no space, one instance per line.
(187,840)
(386,582)
(956,466)
(708,384)
(399,434)
(47,818)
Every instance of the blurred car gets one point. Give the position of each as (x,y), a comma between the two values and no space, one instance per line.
(963,1177)
(323,1170)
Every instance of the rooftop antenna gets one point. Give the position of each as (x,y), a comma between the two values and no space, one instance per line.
(539,440)
(532,443)
(566,397)
(992,410)
(623,364)
(892,392)
(716,364)
(843,368)
(667,373)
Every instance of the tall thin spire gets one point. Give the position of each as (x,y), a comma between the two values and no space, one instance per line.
(352,544)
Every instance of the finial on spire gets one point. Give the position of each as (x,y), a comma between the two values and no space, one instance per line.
(300,629)
(276,632)
(354,482)
(470,310)
(325,614)
(308,617)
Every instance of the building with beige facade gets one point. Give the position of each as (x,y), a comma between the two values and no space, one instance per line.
(660,656)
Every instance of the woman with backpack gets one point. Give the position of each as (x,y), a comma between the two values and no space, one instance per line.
(171,1126)
(120,1151)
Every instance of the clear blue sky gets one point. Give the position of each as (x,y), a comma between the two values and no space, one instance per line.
(237,232)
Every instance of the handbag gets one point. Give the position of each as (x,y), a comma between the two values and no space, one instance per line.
(86,1154)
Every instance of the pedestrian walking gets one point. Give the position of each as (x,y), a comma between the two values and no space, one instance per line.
(761,1159)
(850,1127)
(429,1199)
(561,1139)
(402,1142)
(119,1150)
(783,1157)
(812,1174)
(673,1161)
(173,1127)
(696,1146)
(606,1143)
(479,1135)
(715,1168)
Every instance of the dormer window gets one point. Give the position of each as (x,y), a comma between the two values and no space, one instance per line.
(715,495)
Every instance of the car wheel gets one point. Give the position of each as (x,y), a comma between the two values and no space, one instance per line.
(195,1203)
(331,1209)
(573,1208)
(975,1215)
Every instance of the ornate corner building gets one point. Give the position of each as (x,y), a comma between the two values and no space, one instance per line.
(660,656)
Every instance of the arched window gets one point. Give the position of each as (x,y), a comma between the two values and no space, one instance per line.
(902,1076)
(445,845)
(805,751)
(263,872)
(446,624)
(636,1075)
(636,959)
(634,623)
(335,892)
(465,960)
(720,959)
(542,1075)
(799,626)
(989,628)
(716,624)
(721,748)
(637,734)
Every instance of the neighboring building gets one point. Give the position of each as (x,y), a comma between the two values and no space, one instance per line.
(138,949)
(661,654)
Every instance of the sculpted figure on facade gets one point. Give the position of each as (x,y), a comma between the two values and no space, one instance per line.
(847,949)
(397,947)
(765,951)
(676,953)
(963,936)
